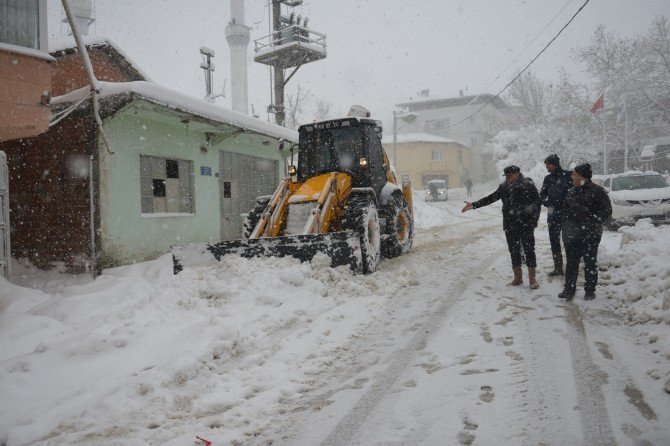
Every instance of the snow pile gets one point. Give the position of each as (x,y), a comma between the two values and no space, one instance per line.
(141,356)
(640,273)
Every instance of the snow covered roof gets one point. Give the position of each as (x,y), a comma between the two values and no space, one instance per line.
(179,101)
(67,44)
(25,51)
(660,141)
(459,101)
(416,137)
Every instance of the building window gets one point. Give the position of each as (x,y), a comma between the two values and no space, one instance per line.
(472,121)
(438,124)
(166,185)
(473,141)
(436,155)
(460,156)
(20,23)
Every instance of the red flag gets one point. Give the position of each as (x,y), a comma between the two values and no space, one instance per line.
(600,103)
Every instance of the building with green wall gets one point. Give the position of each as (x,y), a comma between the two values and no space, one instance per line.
(177,170)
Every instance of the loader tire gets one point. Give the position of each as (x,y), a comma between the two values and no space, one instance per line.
(361,217)
(399,228)
(254,215)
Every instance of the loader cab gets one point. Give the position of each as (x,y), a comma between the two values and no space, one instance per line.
(348,145)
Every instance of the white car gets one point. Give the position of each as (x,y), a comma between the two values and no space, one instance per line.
(436,190)
(637,195)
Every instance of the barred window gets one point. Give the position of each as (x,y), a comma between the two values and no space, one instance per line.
(166,185)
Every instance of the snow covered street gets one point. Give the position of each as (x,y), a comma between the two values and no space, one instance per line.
(431,349)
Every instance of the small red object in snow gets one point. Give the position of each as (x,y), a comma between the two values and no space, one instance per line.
(202,441)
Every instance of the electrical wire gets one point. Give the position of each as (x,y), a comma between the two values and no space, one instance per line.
(58,117)
(553,19)
(516,58)
(497,95)
(522,51)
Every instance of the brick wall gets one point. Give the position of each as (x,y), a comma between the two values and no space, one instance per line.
(25,83)
(69,73)
(49,194)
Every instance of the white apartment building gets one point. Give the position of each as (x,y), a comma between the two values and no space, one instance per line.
(451,118)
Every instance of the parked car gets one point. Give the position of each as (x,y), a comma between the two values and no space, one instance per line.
(436,190)
(637,195)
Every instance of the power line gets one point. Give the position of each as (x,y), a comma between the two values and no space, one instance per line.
(497,95)
(423,127)
(522,51)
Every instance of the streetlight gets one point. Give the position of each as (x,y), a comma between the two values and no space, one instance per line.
(406,117)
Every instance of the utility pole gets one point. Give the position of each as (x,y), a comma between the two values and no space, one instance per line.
(280,112)
(604,147)
(625,135)
(291,44)
(395,139)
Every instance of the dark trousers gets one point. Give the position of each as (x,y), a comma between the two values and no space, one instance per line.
(575,250)
(554,224)
(515,239)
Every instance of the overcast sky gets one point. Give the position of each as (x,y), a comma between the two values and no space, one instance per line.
(380,52)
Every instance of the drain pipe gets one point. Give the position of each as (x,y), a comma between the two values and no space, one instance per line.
(95,86)
(91,196)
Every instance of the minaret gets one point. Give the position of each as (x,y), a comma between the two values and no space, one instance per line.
(84,15)
(237,35)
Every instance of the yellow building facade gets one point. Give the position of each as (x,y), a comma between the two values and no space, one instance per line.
(423,157)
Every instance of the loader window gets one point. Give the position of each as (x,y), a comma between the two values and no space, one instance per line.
(331,150)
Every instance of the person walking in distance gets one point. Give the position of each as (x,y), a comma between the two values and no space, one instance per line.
(521,210)
(552,195)
(468,187)
(586,208)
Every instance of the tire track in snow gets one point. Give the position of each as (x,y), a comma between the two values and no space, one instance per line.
(345,431)
(596,426)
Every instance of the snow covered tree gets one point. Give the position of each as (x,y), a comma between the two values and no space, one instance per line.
(323,109)
(557,119)
(295,107)
(635,71)
(530,93)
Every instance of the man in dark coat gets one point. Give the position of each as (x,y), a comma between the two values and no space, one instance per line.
(586,208)
(553,193)
(521,210)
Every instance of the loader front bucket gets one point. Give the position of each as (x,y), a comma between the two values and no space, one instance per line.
(343,248)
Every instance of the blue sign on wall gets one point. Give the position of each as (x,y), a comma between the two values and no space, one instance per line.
(205,170)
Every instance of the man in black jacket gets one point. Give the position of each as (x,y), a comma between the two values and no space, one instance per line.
(521,210)
(553,193)
(586,208)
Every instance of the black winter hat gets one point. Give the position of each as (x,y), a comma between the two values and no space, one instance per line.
(511,169)
(584,170)
(553,159)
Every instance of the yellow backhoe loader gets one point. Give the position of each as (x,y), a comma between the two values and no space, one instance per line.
(342,199)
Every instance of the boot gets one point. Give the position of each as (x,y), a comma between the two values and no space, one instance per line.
(566,294)
(518,278)
(558,264)
(531,279)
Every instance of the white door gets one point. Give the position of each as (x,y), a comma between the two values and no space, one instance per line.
(5,253)
(242,179)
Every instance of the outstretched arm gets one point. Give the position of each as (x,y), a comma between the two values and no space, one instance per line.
(495,196)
